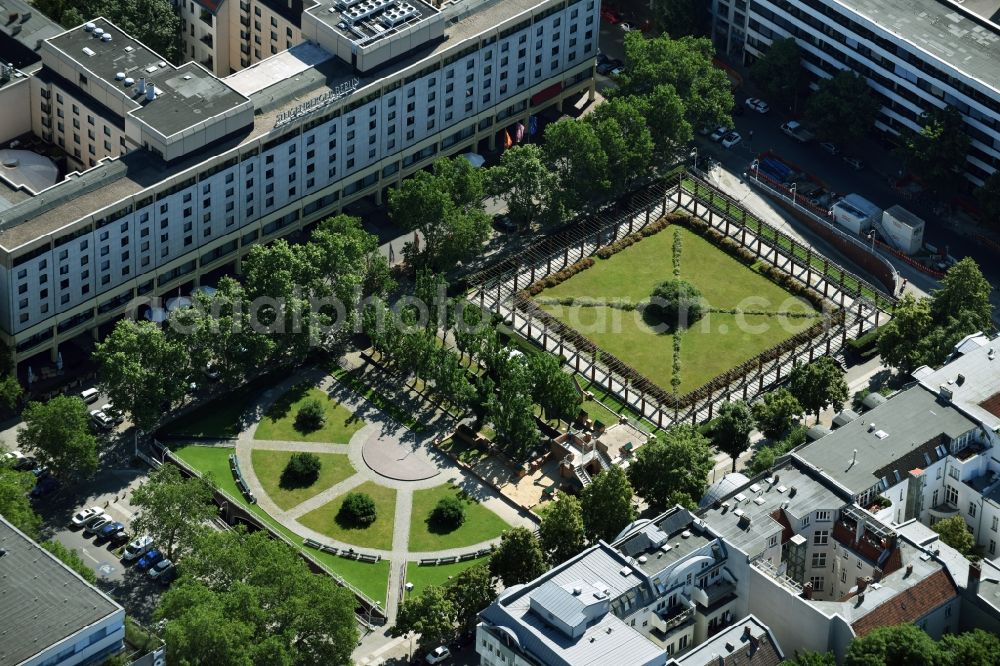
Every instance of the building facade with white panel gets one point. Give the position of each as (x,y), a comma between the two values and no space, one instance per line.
(915,54)
(285,143)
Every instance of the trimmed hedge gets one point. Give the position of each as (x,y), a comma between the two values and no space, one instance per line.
(560,276)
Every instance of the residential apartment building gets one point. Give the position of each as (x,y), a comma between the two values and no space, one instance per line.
(915,54)
(51,616)
(201,168)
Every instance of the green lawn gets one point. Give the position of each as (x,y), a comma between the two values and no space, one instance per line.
(220,418)
(370,579)
(354,380)
(711,346)
(279,421)
(376,535)
(463,450)
(268,465)
(424,577)
(480,524)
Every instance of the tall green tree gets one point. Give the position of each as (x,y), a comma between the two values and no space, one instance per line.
(511,407)
(561,532)
(680,18)
(843,108)
(140,369)
(10,391)
(954,531)
(173,509)
(663,111)
(607,504)
(248,599)
(430,614)
(988,197)
(470,592)
(732,428)
(518,558)
(779,73)
(155,23)
(775,412)
(905,341)
(573,152)
(818,385)
(58,433)
(464,183)
(672,468)
(686,64)
(625,139)
(971,648)
(554,390)
(523,179)
(965,296)
(14,503)
(893,645)
(812,659)
(936,154)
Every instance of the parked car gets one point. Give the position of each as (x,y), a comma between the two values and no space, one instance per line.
(616,72)
(90,395)
(13,458)
(503,223)
(45,485)
(854,162)
(97,525)
(731,139)
(111,531)
(830,147)
(168,576)
(757,104)
(149,559)
(705,131)
(84,515)
(112,413)
(41,472)
(138,548)
(719,133)
(101,420)
(438,654)
(610,15)
(609,66)
(93,519)
(25,464)
(160,568)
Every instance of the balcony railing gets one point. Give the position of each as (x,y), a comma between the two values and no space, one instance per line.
(680,618)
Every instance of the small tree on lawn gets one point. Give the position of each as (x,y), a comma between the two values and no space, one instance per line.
(311,416)
(449,514)
(676,303)
(358,509)
(732,429)
(301,471)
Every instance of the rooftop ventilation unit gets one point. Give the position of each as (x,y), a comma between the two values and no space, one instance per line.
(106,37)
(365,9)
(119,76)
(398,14)
(129,81)
(89,51)
(89,27)
(642,559)
(98,32)
(346,4)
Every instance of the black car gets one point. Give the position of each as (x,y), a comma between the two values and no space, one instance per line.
(504,224)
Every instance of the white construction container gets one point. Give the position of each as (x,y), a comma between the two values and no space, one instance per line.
(902,229)
(856,214)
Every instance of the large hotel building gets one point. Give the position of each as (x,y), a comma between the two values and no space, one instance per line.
(159,174)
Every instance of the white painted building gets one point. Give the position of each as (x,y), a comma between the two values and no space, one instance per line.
(213,166)
(915,55)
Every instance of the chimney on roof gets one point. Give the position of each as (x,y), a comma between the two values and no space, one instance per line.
(807,591)
(975,572)
(142,85)
(150,91)
(909,569)
(859,530)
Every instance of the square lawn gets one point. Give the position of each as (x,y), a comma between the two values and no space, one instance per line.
(279,421)
(480,524)
(371,579)
(716,343)
(423,577)
(268,466)
(377,535)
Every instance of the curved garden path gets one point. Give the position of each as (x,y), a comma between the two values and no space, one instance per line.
(379,429)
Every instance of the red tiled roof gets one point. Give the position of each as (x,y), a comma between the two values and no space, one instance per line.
(786,532)
(210,5)
(909,605)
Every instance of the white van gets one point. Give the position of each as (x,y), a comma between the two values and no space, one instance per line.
(90,395)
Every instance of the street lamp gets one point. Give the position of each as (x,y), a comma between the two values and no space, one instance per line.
(695,153)
(871,237)
(755,165)
(794,188)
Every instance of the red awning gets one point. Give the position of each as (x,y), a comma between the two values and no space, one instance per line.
(548,93)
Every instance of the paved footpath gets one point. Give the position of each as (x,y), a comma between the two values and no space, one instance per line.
(379,428)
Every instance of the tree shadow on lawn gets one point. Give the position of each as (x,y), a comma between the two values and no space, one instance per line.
(281,407)
(291,481)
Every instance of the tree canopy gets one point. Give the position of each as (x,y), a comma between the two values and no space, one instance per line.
(554,390)
(779,73)
(937,153)
(843,108)
(607,504)
(518,558)
(525,181)
(155,23)
(955,532)
(775,412)
(561,532)
(574,154)
(679,18)
(672,468)
(818,385)
(172,508)
(14,503)
(437,613)
(246,599)
(732,428)
(988,197)
(58,433)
